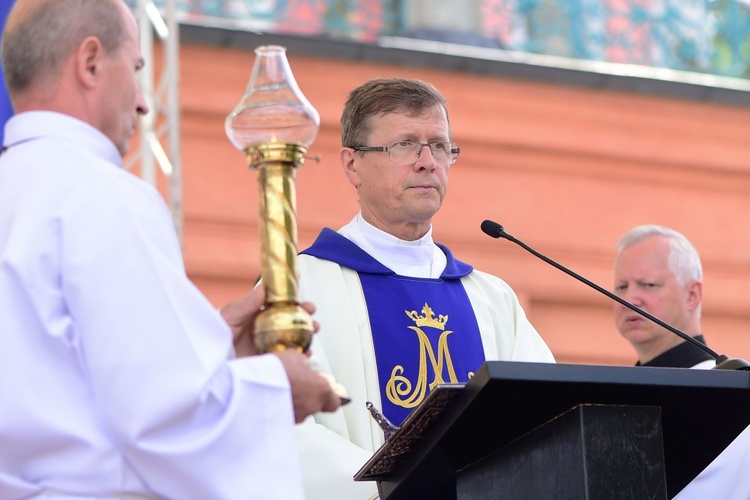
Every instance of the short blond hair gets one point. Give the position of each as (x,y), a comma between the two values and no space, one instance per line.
(37,44)
(684,261)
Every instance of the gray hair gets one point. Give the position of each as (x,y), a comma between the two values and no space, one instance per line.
(382,96)
(684,261)
(37,44)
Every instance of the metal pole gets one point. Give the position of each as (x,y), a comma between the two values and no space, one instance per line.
(172,72)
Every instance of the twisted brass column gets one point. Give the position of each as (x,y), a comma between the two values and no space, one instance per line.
(283,323)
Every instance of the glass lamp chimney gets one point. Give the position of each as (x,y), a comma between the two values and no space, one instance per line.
(272,109)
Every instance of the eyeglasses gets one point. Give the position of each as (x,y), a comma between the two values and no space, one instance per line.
(443,153)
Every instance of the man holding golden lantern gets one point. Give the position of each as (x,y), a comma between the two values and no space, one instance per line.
(118,378)
(398,312)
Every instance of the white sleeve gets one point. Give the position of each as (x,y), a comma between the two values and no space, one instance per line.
(726,477)
(329,463)
(191,423)
(334,446)
(507,334)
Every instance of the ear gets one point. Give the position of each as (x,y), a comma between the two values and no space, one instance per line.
(346,156)
(695,295)
(89,57)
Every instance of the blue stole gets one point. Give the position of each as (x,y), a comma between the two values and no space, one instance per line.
(424,330)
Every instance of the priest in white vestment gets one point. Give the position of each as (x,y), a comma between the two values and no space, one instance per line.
(398,312)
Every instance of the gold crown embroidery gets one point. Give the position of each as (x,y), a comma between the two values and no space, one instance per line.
(428,318)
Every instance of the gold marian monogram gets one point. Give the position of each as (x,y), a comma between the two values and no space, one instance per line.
(399,388)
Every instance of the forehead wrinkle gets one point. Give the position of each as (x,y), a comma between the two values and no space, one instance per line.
(411,135)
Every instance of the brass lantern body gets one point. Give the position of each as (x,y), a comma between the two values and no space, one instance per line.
(274,125)
(283,323)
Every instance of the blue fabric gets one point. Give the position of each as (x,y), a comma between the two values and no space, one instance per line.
(424,330)
(6,110)
(330,245)
(424,333)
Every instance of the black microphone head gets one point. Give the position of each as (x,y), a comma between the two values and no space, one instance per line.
(493,229)
(724,362)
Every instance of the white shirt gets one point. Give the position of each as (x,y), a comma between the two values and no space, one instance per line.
(418,259)
(115,372)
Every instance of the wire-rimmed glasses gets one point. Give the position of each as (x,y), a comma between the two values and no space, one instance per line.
(443,153)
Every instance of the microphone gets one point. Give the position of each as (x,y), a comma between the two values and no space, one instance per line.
(723,362)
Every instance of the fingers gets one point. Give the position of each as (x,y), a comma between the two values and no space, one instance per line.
(332,403)
(243,311)
(311,393)
(309,307)
(240,316)
(244,343)
(330,400)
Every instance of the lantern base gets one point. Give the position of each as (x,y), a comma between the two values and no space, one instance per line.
(282,326)
(258,155)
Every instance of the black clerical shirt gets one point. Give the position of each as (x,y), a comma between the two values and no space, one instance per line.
(684,355)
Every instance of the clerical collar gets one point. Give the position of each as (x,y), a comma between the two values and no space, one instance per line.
(683,355)
(419,259)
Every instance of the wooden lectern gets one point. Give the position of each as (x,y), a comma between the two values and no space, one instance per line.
(537,430)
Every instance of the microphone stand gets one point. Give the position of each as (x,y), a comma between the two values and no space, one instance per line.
(723,362)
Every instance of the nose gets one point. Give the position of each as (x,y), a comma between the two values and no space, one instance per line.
(632,296)
(424,161)
(141,106)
